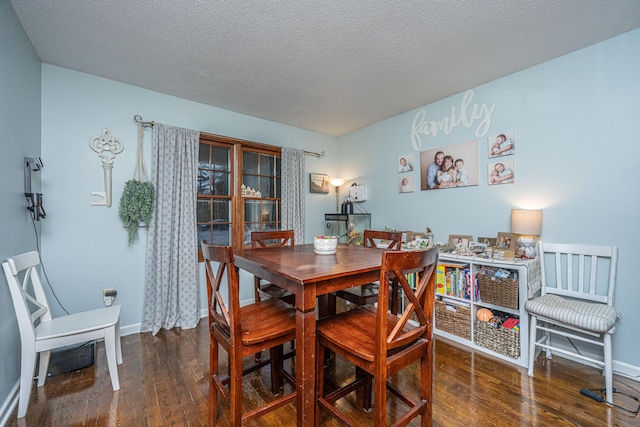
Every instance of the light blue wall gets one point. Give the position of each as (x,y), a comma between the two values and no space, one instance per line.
(576,121)
(576,124)
(85,247)
(19,138)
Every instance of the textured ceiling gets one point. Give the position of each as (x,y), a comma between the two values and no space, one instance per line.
(327,66)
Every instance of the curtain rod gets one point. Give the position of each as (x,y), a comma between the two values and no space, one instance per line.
(312,153)
(139,121)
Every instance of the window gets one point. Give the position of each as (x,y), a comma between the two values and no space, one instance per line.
(225,165)
(261,173)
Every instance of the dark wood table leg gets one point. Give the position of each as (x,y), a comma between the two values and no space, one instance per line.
(305,366)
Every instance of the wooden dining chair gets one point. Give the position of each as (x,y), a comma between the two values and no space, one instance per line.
(243,331)
(265,239)
(368,294)
(381,343)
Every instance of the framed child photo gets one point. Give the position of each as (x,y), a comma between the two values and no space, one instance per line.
(459,242)
(501,173)
(502,144)
(405,184)
(506,241)
(405,163)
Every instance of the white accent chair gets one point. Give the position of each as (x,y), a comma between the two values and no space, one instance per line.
(578,284)
(40,333)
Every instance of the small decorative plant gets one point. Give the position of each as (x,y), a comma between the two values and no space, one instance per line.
(136,206)
(136,203)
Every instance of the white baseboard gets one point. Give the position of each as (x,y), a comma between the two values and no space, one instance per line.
(626,370)
(619,368)
(9,405)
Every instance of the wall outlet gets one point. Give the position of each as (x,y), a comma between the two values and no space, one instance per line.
(108,296)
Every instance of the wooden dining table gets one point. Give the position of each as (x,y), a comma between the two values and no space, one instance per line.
(308,275)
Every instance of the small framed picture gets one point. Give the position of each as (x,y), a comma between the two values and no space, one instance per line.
(489,241)
(501,173)
(405,184)
(460,243)
(410,236)
(318,183)
(477,247)
(505,241)
(405,163)
(502,144)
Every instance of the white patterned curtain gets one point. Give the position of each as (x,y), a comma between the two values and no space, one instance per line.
(293,192)
(171,278)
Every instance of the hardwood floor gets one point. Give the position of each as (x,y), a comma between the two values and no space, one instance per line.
(164,383)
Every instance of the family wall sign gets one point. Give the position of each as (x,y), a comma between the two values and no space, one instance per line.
(467,115)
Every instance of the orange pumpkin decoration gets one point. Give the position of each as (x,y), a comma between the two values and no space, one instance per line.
(484,314)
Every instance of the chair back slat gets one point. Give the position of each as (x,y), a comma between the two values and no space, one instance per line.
(21,274)
(397,264)
(264,239)
(373,237)
(225,316)
(580,271)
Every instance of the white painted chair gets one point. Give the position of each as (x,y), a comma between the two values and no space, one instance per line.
(578,284)
(40,333)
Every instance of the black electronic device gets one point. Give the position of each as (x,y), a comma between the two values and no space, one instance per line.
(592,395)
(34,200)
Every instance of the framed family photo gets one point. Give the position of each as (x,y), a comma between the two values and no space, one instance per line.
(502,144)
(506,241)
(318,183)
(449,167)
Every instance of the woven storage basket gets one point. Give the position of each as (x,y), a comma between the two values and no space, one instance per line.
(454,319)
(500,340)
(498,291)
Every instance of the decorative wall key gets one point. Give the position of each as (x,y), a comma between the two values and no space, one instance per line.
(107,148)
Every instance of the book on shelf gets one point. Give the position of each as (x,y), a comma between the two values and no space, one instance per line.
(453,279)
(440,279)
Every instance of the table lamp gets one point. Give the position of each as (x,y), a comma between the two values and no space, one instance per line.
(527,224)
(337,182)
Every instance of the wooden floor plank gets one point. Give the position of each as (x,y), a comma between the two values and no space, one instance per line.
(164,382)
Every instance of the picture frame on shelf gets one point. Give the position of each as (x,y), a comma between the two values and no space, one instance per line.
(505,241)
(412,235)
(478,247)
(489,241)
(319,183)
(460,242)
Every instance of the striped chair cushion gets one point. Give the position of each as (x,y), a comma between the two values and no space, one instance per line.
(589,316)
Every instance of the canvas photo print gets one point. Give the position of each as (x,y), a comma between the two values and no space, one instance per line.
(449,167)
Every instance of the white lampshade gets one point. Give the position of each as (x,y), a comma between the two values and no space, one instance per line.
(337,182)
(526,222)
